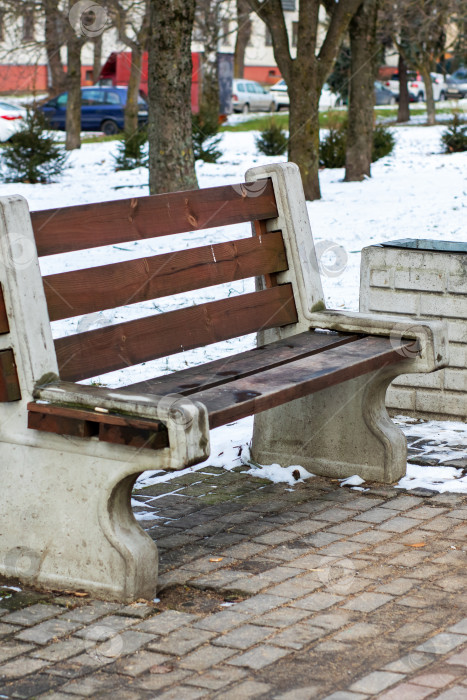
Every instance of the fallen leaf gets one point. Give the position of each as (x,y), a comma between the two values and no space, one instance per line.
(416,544)
(213,559)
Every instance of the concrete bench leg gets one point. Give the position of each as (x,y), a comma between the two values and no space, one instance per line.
(337,432)
(76,531)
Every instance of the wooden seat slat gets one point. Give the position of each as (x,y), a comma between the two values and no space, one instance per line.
(274,387)
(67,229)
(122,345)
(227,369)
(108,286)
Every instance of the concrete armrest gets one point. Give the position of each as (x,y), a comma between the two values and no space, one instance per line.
(186,420)
(432,335)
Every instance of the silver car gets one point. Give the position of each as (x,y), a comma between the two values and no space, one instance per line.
(249,96)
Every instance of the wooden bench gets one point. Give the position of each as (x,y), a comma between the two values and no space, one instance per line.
(70,453)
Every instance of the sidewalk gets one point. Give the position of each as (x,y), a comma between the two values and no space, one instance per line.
(267,592)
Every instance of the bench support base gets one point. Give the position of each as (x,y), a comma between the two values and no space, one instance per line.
(337,432)
(66,523)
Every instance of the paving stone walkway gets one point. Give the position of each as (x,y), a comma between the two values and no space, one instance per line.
(266,591)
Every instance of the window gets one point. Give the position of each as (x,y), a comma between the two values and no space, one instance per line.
(89,75)
(294,33)
(62,100)
(288,5)
(240,87)
(267,37)
(28,24)
(250,87)
(113,98)
(92,97)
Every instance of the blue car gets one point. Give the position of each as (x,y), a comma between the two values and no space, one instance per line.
(102,109)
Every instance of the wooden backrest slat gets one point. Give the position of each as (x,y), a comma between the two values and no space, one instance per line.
(87,226)
(4,326)
(98,288)
(114,347)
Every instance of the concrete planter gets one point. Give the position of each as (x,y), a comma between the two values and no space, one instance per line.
(423,279)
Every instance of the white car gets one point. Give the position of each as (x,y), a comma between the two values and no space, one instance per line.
(11,119)
(416,86)
(327,100)
(250,96)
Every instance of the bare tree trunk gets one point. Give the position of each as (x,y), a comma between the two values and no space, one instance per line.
(430,101)
(243,36)
(171,160)
(97,63)
(403,112)
(208,11)
(131,108)
(54,41)
(73,108)
(304,146)
(362,30)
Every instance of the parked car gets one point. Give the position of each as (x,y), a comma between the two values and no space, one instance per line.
(11,119)
(249,96)
(383,95)
(328,98)
(416,86)
(102,109)
(280,94)
(457,84)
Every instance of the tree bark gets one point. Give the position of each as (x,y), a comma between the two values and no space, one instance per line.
(73,108)
(403,112)
(304,146)
(305,75)
(208,10)
(97,63)
(171,160)
(243,37)
(131,108)
(430,101)
(362,30)
(54,41)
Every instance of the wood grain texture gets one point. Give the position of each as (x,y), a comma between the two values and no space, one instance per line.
(4,327)
(98,288)
(274,387)
(89,225)
(106,349)
(116,428)
(227,369)
(9,383)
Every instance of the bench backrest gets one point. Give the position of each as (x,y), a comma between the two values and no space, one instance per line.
(272,200)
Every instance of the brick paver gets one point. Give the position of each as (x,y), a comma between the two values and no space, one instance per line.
(324,596)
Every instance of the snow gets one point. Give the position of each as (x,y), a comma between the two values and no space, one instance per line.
(417,192)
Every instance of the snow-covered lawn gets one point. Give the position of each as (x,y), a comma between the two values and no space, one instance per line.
(416,192)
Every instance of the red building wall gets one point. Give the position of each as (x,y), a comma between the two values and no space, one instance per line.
(23,78)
